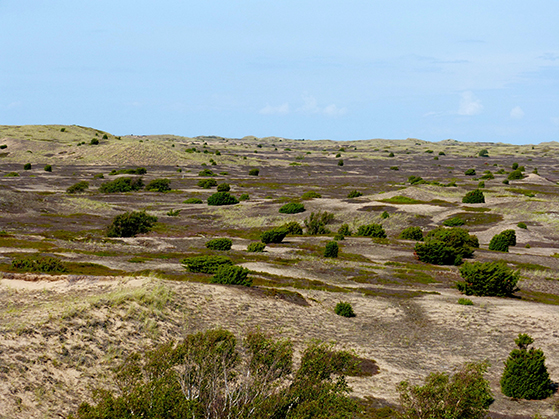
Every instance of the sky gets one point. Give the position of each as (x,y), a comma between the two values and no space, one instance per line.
(342,70)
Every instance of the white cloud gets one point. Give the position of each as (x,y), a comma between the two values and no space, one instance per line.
(469,104)
(333,110)
(517,113)
(310,105)
(275,110)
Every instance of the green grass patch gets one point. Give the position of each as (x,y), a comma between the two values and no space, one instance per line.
(479,218)
(474,209)
(393,293)
(399,199)
(413,276)
(540,297)
(270,280)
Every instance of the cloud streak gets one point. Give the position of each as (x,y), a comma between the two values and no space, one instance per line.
(310,106)
(517,113)
(469,105)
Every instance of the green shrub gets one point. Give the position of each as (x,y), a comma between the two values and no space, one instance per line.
(220,244)
(223,187)
(344,309)
(94,141)
(275,235)
(415,180)
(331,250)
(338,155)
(293,227)
(525,375)
(340,162)
(515,175)
(137,171)
(483,153)
(442,153)
(27,166)
(43,264)
(487,175)
(192,201)
(465,302)
(254,172)
(505,182)
(446,246)
(481,185)
(454,222)
(391,154)
(394,168)
(292,208)
(123,184)
(522,225)
(244,197)
(159,185)
(316,222)
(474,197)
(11,174)
(78,187)
(206,172)
(491,279)
(173,213)
(310,195)
(354,194)
(48,168)
(344,230)
(3,146)
(105,137)
(514,166)
(470,172)
(371,230)
(130,224)
(384,215)
(411,233)
(256,247)
(232,275)
(501,242)
(205,264)
(222,198)
(207,183)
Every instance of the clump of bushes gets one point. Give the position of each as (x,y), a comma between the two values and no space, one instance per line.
(411,233)
(275,235)
(331,250)
(292,208)
(123,184)
(207,183)
(525,375)
(81,186)
(137,171)
(222,198)
(254,172)
(223,187)
(205,264)
(372,230)
(454,222)
(446,246)
(515,175)
(354,194)
(501,242)
(256,247)
(27,166)
(232,275)
(206,172)
(474,197)
(491,279)
(293,227)
(244,197)
(130,224)
(470,172)
(344,309)
(48,168)
(344,230)
(220,244)
(159,185)
(310,195)
(192,201)
(415,180)
(43,264)
(316,222)
(94,141)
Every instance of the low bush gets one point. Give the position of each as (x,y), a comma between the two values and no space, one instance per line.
(442,153)
(384,215)
(292,208)
(293,227)
(232,275)
(48,168)
(487,175)
(275,235)
(344,230)
(123,184)
(501,242)
(27,166)
(244,197)
(223,187)
(316,222)
(42,264)
(470,172)
(222,198)
(371,230)
(515,175)
(522,225)
(11,174)
(481,185)
(207,183)
(173,213)
(94,141)
(446,246)
(514,166)
(205,264)
(454,222)
(340,162)
(465,302)
(310,195)
(254,172)
(491,279)
(354,194)
(81,186)
(159,185)
(483,153)
(344,309)
(130,224)
(331,250)
(394,168)
(206,172)
(137,171)
(193,201)
(411,233)
(256,247)
(220,244)
(474,197)
(415,180)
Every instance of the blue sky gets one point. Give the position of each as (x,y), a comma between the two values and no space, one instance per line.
(471,71)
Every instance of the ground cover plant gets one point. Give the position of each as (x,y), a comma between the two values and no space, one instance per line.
(292,208)
(220,244)
(474,197)
(123,184)
(131,224)
(207,264)
(275,235)
(222,198)
(232,275)
(159,185)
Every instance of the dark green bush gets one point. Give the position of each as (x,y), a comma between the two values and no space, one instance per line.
(483,153)
(256,247)
(293,227)
(514,166)
(130,224)
(27,166)
(310,195)
(220,244)
(344,230)
(43,264)
(193,201)
(206,172)
(137,171)
(481,185)
(292,208)
(223,187)
(244,197)
(470,172)
(123,184)
(454,222)
(331,250)
(446,246)
(525,375)
(491,279)
(391,154)
(474,197)
(354,194)
(522,225)
(411,233)
(11,174)
(48,168)
(232,275)
(205,264)
(503,240)
(81,186)
(94,141)
(442,153)
(340,162)
(316,222)
(384,215)
(344,309)
(3,146)
(515,175)
(372,230)
(487,175)
(394,168)
(275,235)
(207,183)
(159,185)
(254,172)
(222,198)
(415,180)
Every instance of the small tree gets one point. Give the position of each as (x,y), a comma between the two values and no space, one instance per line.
(483,153)
(223,187)
(492,279)
(474,197)
(525,375)
(344,230)
(331,250)
(501,242)
(130,224)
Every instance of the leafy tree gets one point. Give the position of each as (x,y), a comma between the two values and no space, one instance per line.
(474,197)
(130,224)
(525,375)
(465,395)
(492,279)
(331,250)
